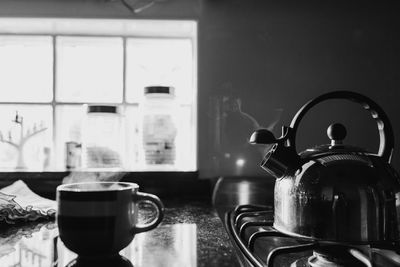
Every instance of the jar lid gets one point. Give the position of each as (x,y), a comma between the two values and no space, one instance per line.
(102,109)
(159,90)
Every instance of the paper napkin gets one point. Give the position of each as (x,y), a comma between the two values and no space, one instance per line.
(19,204)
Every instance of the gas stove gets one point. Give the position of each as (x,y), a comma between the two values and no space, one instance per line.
(259,244)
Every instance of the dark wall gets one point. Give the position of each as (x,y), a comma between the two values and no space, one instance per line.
(275,56)
(272,57)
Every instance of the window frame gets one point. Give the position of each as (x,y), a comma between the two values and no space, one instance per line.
(56,27)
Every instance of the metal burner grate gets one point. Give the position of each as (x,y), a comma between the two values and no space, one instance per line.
(245,217)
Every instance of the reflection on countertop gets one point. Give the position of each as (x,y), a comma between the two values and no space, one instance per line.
(190,235)
(232,191)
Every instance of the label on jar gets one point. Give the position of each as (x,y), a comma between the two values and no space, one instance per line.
(159,139)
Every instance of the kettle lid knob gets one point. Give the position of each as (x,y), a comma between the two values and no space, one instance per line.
(336,132)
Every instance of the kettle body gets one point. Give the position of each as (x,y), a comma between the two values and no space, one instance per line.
(335,192)
(331,199)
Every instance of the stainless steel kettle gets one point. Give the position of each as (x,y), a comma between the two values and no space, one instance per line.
(335,192)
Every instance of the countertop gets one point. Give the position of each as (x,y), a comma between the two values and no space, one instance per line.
(191,234)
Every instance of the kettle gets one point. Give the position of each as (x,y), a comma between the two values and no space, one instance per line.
(334,192)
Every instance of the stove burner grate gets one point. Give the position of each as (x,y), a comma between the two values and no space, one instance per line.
(244,217)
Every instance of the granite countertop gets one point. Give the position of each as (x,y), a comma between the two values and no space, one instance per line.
(191,234)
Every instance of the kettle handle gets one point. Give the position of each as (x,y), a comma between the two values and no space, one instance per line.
(386,144)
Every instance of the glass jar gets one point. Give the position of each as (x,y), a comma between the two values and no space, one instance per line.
(159,127)
(102,138)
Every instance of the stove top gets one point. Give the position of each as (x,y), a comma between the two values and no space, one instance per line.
(259,244)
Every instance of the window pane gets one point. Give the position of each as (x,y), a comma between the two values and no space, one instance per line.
(72,121)
(26,67)
(68,130)
(184,142)
(32,152)
(89,69)
(167,62)
(133,138)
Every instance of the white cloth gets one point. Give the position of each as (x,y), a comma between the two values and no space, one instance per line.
(19,204)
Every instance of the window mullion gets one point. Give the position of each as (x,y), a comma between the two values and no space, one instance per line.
(125,152)
(124,71)
(53,102)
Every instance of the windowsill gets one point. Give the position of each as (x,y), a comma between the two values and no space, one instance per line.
(163,184)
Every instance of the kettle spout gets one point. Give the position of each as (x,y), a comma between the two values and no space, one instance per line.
(281,160)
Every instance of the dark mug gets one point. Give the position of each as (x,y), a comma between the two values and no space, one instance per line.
(100,218)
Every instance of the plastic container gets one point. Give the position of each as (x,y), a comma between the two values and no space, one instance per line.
(102,138)
(159,127)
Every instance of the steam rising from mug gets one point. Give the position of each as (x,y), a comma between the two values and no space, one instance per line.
(78,177)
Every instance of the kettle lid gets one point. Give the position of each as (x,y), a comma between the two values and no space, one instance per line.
(336,133)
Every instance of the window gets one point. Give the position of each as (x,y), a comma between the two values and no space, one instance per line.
(53,69)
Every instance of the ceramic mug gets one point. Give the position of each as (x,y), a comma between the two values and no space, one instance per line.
(100,218)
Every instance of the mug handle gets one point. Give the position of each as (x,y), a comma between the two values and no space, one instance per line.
(156,202)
